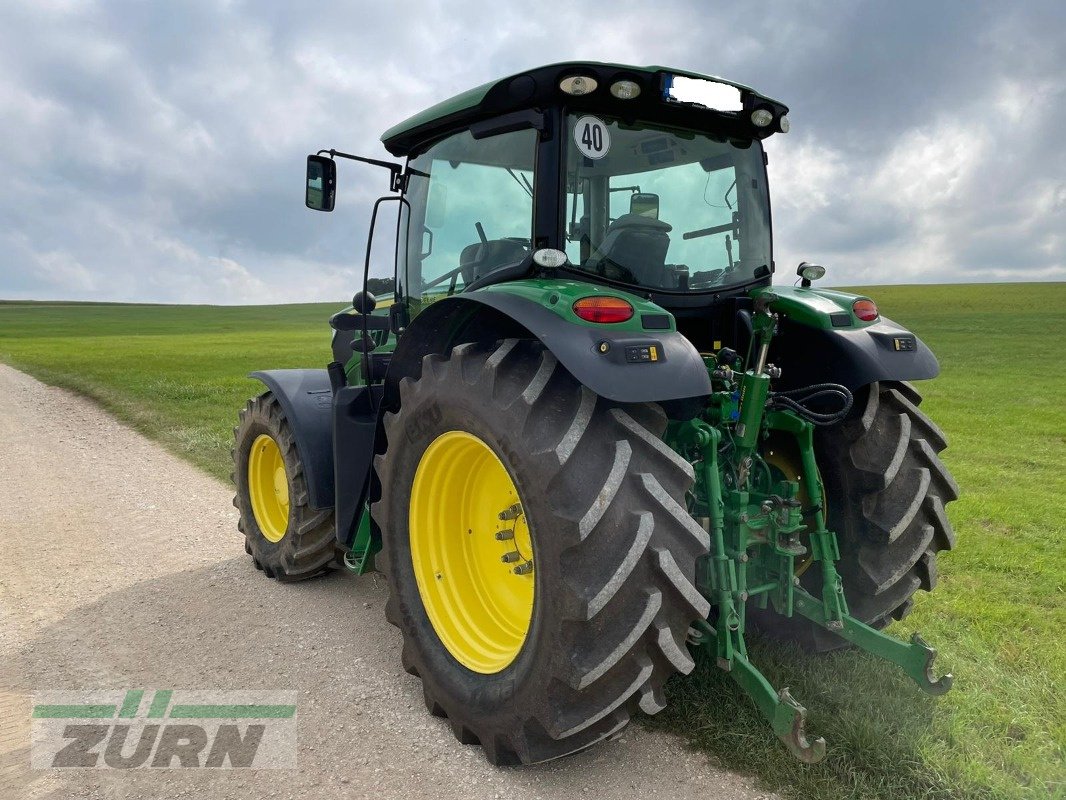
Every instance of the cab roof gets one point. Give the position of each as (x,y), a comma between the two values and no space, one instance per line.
(540,88)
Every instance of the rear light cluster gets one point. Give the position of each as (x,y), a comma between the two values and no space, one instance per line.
(603,309)
(866,310)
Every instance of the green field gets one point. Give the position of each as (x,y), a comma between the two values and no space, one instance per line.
(998,617)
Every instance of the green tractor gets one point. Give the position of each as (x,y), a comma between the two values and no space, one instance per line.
(580,431)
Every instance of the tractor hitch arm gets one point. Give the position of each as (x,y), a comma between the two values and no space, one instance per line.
(784,713)
(753,520)
(915,657)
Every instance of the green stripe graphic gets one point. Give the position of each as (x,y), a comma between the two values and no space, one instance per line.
(159,704)
(158,709)
(74,711)
(235,711)
(131,703)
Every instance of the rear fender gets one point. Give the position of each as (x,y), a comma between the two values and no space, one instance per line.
(821,340)
(601,358)
(853,358)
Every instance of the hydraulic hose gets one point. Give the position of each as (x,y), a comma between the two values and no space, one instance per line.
(798,400)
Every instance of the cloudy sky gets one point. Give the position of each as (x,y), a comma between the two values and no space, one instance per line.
(155,150)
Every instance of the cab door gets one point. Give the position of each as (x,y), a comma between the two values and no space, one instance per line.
(471,205)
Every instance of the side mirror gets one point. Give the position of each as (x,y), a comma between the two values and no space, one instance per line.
(364,302)
(321,183)
(645,204)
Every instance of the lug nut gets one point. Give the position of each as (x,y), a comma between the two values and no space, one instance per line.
(510,558)
(503,536)
(524,569)
(512,512)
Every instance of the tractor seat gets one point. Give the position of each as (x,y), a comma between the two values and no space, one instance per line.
(479,259)
(638,245)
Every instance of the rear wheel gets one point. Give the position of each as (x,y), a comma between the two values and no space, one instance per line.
(886,489)
(286,538)
(539,556)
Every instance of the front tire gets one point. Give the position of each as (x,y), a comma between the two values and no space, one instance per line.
(612,550)
(286,538)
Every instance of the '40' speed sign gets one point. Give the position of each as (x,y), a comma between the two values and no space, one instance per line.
(592,137)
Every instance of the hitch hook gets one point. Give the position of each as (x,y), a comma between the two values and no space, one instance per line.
(796,739)
(925,680)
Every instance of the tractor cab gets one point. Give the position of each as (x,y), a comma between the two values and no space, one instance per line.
(646,179)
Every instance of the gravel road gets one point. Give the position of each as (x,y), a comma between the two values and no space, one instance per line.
(121,567)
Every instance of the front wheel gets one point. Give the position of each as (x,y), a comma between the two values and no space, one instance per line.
(286,538)
(540,559)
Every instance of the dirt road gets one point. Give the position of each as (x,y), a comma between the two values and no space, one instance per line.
(121,567)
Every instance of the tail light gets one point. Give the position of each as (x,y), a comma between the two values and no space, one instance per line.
(866,310)
(603,309)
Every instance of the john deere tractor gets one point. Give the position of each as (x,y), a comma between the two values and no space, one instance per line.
(581,432)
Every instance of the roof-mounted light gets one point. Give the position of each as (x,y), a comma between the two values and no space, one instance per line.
(810,272)
(783,124)
(578,85)
(761,118)
(625,90)
(549,258)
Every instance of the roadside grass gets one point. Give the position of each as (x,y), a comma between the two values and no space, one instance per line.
(998,616)
(176,373)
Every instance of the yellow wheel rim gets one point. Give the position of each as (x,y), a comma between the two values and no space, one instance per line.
(268,488)
(472,552)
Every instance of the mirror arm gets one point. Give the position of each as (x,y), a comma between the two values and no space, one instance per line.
(395,170)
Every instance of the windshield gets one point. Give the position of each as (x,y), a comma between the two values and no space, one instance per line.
(665,209)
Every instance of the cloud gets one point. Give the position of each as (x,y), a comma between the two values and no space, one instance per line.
(155,152)
(973,193)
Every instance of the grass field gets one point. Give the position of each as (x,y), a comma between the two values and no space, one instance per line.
(998,616)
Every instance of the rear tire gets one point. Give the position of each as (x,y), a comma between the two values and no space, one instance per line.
(306,546)
(886,489)
(614,551)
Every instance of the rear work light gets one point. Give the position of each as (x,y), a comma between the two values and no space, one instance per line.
(603,309)
(760,117)
(625,90)
(866,310)
(578,85)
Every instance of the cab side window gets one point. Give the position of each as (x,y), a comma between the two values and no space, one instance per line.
(471,210)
